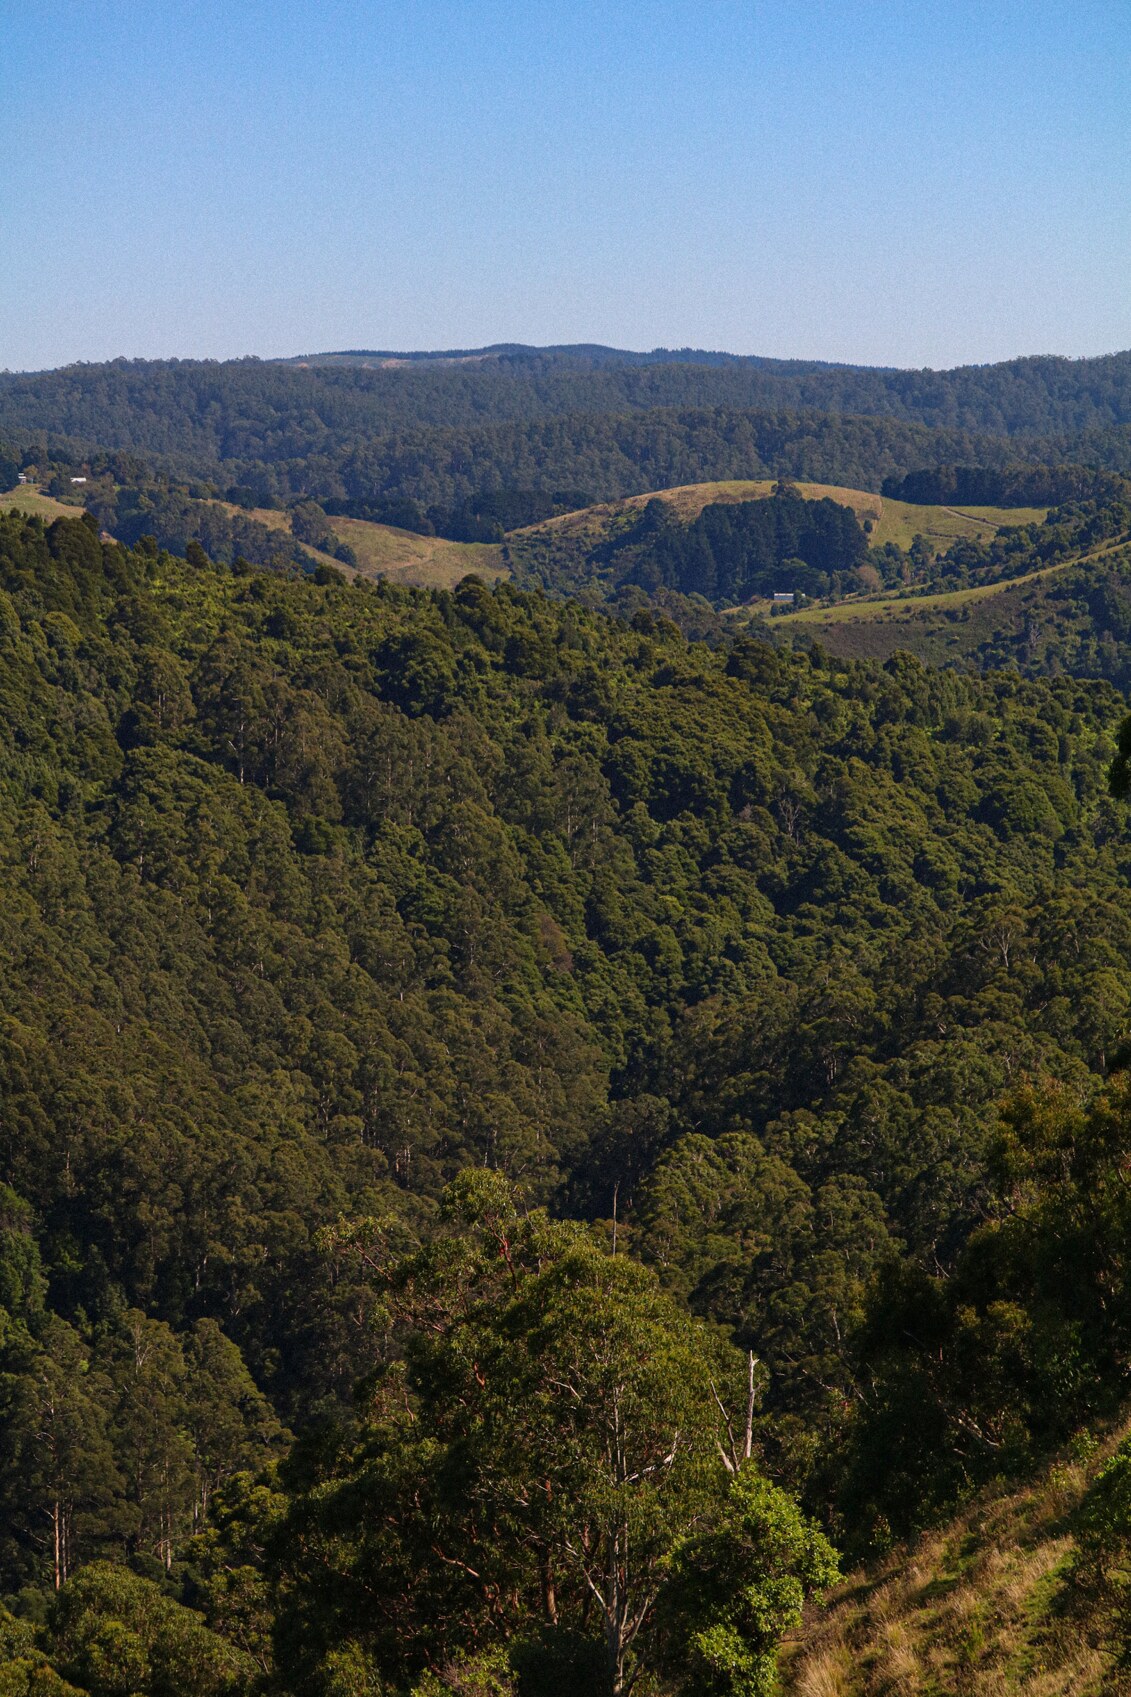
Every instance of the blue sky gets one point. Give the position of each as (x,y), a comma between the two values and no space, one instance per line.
(911,184)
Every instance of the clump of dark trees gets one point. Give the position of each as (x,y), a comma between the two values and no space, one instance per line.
(483,517)
(735,552)
(1005,486)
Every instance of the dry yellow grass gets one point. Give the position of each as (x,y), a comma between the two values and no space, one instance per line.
(900,522)
(1017,515)
(890,521)
(973,1610)
(426,561)
(30,499)
(826,1671)
(906,606)
(689,499)
(270,517)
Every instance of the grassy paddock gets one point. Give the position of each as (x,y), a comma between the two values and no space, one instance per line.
(912,606)
(891,521)
(429,562)
(29,499)
(901,522)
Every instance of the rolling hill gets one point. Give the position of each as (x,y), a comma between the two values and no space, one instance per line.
(580,552)
(889,521)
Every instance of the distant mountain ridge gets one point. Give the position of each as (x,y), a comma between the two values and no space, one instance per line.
(600,353)
(582,353)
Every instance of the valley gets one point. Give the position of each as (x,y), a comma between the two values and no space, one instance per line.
(488,996)
(565,851)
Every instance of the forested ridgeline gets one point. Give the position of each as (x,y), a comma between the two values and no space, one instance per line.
(373,471)
(243,408)
(345,930)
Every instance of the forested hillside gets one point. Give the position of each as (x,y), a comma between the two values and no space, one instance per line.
(1073,615)
(436,433)
(375,963)
(191,406)
(426,473)
(729,552)
(729,545)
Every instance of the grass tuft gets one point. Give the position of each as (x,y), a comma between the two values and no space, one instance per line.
(980,1608)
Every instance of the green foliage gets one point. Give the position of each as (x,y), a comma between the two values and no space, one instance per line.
(62,1486)
(737,1588)
(1102,1565)
(250,411)
(486,1675)
(976,1373)
(118,1635)
(1119,772)
(738,551)
(24,1669)
(733,552)
(1007,486)
(539,1449)
(179,522)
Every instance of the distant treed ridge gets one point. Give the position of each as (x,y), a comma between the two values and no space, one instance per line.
(438,432)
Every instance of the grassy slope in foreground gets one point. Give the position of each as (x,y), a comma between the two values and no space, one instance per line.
(983,1607)
(892,521)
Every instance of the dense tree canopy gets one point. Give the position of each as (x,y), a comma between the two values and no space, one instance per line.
(319,896)
(544,1444)
(733,552)
(246,409)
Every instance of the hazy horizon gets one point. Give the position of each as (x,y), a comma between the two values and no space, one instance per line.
(438,352)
